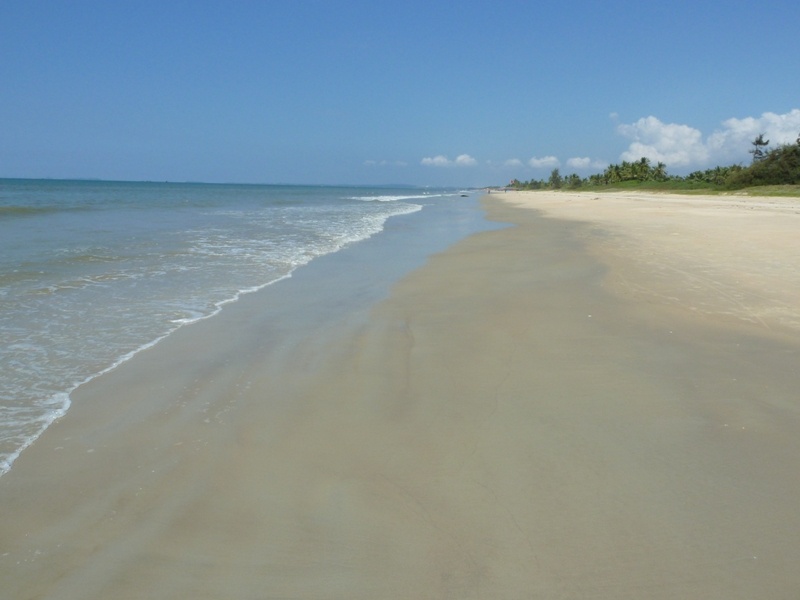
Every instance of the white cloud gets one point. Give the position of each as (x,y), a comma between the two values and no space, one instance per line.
(733,141)
(679,145)
(436,161)
(385,163)
(462,160)
(670,143)
(514,163)
(586,163)
(544,162)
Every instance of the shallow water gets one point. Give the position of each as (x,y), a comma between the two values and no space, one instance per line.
(92,272)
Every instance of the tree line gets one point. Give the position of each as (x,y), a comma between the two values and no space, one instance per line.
(776,166)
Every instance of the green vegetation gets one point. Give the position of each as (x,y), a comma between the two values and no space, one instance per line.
(773,171)
(780,166)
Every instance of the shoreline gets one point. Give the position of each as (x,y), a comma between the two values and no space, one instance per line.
(534,411)
(58,400)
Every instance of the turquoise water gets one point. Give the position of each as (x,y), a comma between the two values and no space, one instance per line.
(92,272)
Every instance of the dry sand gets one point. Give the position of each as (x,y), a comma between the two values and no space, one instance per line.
(725,256)
(604,404)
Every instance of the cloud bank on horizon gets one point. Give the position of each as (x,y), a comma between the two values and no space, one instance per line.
(677,145)
(683,146)
(462,160)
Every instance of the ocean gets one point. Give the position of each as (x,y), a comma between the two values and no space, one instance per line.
(92,272)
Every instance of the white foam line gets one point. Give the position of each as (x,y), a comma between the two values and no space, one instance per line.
(66,401)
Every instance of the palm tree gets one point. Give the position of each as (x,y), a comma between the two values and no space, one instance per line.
(555,180)
(641,170)
(759,150)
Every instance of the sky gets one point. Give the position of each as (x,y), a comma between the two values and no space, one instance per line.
(425,93)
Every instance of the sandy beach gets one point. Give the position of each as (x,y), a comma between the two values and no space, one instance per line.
(600,400)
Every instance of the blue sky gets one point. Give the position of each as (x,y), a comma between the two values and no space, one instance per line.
(427,93)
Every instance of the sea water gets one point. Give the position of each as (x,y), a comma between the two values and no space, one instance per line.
(92,272)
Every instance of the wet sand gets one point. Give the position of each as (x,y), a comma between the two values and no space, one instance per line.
(598,402)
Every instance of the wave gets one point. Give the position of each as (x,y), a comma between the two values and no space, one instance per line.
(392,198)
(26,211)
(58,405)
(31,211)
(358,225)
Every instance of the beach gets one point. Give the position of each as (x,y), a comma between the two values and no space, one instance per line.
(598,399)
